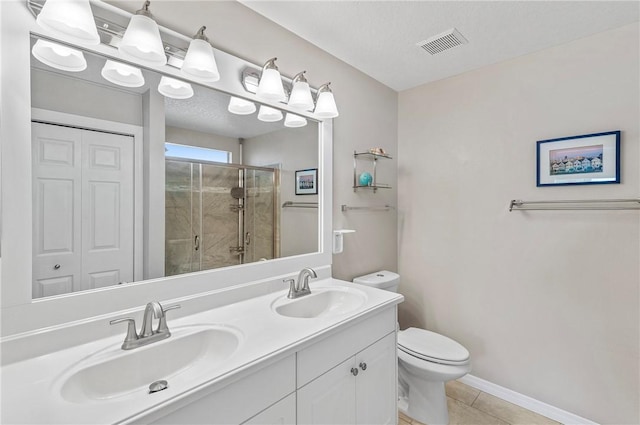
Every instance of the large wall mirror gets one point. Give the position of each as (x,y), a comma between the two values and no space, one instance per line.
(227,197)
(114,196)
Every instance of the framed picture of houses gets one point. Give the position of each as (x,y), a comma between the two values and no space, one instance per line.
(586,159)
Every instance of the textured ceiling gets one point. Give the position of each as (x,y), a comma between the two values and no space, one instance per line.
(379,37)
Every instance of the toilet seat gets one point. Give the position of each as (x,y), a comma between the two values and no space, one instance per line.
(432,347)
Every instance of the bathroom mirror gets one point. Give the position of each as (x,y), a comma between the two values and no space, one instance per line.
(224,187)
(21,312)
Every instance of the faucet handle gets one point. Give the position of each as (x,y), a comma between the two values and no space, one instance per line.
(132,334)
(162,324)
(292,287)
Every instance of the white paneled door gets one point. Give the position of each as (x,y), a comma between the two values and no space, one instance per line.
(83,209)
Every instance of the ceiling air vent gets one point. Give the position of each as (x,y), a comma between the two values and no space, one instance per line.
(444,41)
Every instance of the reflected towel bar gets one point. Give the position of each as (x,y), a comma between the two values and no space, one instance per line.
(578,204)
(379,208)
(290,204)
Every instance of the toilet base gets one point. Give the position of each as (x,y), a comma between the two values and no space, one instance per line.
(426,403)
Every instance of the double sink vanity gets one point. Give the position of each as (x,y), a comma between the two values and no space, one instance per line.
(325,357)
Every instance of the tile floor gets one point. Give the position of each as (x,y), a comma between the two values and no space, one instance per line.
(469,406)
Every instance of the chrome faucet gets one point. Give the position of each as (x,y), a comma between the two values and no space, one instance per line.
(153,310)
(302,286)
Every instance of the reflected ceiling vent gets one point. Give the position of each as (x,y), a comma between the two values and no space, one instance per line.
(444,41)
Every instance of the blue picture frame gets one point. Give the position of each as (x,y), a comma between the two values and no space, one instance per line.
(584,159)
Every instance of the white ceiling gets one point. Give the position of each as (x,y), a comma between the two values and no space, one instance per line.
(379,37)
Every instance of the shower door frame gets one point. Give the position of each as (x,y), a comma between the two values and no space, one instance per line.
(241,218)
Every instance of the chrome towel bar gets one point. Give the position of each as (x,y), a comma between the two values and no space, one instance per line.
(290,204)
(577,204)
(369,208)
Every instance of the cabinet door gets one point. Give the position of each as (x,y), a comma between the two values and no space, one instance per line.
(281,413)
(329,399)
(376,385)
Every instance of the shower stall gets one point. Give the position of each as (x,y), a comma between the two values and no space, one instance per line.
(219,215)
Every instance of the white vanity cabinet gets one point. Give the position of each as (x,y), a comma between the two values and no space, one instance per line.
(362,388)
(263,397)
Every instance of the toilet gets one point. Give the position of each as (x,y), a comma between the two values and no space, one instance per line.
(426,360)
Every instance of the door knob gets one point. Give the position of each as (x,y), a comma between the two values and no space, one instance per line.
(354,371)
(363,366)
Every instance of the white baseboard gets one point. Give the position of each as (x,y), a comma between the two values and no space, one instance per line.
(528,403)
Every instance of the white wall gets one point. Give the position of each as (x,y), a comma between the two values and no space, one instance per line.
(547,302)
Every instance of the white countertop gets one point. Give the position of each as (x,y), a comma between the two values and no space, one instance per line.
(31,388)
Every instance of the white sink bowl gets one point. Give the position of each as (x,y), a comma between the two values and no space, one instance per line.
(322,302)
(113,372)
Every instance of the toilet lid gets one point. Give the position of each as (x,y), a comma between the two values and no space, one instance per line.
(431,346)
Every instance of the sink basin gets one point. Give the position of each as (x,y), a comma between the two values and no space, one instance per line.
(113,372)
(323,302)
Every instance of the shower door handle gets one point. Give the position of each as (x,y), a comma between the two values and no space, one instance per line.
(196,243)
(247,238)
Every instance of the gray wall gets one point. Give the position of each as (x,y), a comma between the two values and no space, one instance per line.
(547,302)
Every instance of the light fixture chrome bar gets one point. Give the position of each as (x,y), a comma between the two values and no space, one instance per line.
(577,204)
(290,204)
(111,34)
(345,208)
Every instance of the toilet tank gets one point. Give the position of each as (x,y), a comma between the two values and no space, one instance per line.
(382,280)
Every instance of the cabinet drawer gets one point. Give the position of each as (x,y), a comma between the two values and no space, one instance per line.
(240,400)
(334,349)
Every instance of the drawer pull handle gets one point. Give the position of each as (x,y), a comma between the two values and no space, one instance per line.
(56,267)
(363,366)
(354,371)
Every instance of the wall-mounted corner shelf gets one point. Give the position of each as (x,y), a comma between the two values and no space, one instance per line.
(372,158)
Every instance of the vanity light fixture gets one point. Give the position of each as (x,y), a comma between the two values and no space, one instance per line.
(240,106)
(121,74)
(268,114)
(326,104)
(175,89)
(301,93)
(200,62)
(58,56)
(142,40)
(293,120)
(71,20)
(270,86)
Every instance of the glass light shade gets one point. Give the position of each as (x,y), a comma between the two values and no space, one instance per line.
(69,19)
(58,56)
(122,75)
(270,86)
(268,114)
(326,106)
(293,120)
(142,41)
(240,106)
(200,63)
(175,89)
(301,96)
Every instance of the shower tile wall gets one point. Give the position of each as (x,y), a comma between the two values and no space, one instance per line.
(219,219)
(178,242)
